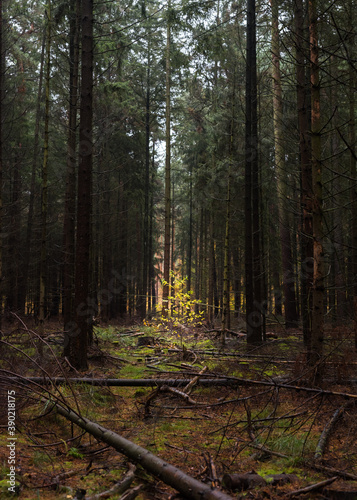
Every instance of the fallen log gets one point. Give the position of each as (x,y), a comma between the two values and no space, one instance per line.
(191,488)
(218,381)
(321,445)
(119,382)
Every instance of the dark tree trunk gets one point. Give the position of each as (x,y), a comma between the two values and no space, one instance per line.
(306,177)
(167,240)
(318,292)
(254,318)
(70,196)
(2,75)
(83,312)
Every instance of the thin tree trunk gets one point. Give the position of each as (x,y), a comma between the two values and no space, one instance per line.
(166,287)
(189,250)
(2,76)
(306,178)
(83,316)
(353,163)
(30,215)
(145,278)
(44,197)
(317,330)
(70,196)
(291,317)
(252,223)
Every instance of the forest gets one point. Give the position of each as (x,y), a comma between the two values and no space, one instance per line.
(178,249)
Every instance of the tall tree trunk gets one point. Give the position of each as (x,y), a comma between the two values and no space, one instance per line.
(306,178)
(146,244)
(83,319)
(252,224)
(70,196)
(44,196)
(212,275)
(226,280)
(165,291)
(190,229)
(33,188)
(317,330)
(353,163)
(2,75)
(291,317)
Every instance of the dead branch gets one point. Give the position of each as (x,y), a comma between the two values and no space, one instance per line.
(118,488)
(131,494)
(312,487)
(181,394)
(171,475)
(333,471)
(194,381)
(321,445)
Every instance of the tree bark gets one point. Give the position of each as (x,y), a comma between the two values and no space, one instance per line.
(83,313)
(291,316)
(167,240)
(44,192)
(2,76)
(306,178)
(254,318)
(318,292)
(70,196)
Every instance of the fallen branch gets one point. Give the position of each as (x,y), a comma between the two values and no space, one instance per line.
(171,475)
(313,487)
(118,488)
(131,494)
(219,381)
(333,471)
(321,445)
(181,394)
(194,381)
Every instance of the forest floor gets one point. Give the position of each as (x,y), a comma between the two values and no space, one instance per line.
(268,423)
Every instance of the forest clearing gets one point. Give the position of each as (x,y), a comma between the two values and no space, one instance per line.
(250,424)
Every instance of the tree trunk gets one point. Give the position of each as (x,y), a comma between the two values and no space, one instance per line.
(252,224)
(70,196)
(353,170)
(291,316)
(2,75)
(306,178)
(317,330)
(44,194)
(167,241)
(83,314)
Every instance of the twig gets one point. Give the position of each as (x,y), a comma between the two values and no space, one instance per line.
(313,487)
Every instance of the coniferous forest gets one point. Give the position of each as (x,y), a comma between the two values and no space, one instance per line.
(178,249)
